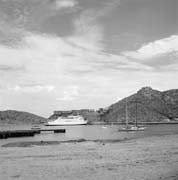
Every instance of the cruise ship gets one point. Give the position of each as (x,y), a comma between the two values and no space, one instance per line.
(68,120)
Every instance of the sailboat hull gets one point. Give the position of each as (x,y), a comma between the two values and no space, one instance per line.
(133,128)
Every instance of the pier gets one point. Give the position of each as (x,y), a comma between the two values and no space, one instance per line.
(26,133)
(54,130)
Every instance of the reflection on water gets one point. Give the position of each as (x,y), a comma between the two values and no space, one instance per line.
(90,132)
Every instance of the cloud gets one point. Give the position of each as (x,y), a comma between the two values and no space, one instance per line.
(33,88)
(7,68)
(57,70)
(69,94)
(65,3)
(88,30)
(155,49)
(44,58)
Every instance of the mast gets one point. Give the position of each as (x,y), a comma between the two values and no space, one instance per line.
(136,114)
(126,113)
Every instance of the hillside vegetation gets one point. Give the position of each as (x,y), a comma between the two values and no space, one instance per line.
(147,105)
(15,117)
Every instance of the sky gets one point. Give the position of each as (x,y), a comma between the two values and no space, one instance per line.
(77,54)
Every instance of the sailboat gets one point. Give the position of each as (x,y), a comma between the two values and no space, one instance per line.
(134,127)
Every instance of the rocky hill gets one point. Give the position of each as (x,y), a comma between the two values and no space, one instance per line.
(18,117)
(147,105)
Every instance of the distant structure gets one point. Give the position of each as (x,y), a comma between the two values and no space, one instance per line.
(73,112)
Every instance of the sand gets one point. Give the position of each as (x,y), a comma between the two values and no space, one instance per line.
(150,158)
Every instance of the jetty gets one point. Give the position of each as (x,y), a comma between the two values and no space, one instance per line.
(26,133)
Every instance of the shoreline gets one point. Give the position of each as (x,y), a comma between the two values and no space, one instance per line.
(77,141)
(148,158)
(121,123)
(47,143)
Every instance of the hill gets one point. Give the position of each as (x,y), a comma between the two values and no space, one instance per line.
(19,117)
(147,105)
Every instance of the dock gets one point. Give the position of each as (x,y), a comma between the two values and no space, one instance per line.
(26,133)
(54,130)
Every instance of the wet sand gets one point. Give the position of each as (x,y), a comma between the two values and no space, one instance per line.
(150,158)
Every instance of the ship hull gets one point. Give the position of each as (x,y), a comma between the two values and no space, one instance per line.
(70,121)
(132,128)
(65,124)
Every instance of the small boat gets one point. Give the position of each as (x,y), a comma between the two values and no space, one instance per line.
(104,127)
(134,127)
(67,120)
(35,127)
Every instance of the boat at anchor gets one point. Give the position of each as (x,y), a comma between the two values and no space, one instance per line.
(134,127)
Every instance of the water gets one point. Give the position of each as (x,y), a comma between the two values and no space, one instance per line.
(89,132)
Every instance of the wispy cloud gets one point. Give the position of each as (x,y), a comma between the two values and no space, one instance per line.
(69,94)
(47,69)
(33,88)
(65,3)
(37,53)
(88,30)
(7,68)
(155,49)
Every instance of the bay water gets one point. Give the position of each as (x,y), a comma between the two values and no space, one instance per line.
(89,132)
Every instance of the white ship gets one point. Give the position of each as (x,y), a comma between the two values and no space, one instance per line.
(68,120)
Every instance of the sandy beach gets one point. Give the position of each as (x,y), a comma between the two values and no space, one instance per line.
(149,158)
